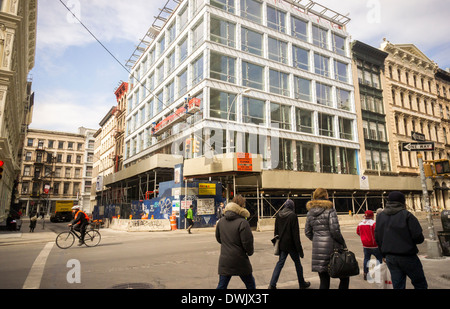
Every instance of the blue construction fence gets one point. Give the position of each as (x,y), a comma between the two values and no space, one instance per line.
(205,198)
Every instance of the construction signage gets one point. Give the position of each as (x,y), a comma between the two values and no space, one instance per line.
(244,162)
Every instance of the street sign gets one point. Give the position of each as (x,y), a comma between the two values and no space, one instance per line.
(419,137)
(425,146)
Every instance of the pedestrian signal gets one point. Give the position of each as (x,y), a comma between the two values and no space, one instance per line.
(442,167)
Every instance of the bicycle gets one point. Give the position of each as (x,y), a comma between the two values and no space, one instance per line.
(66,239)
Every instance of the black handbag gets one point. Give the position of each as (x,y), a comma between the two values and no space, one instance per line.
(343,264)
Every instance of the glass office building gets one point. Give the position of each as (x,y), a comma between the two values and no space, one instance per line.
(272,78)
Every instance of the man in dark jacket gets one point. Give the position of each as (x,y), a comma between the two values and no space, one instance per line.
(397,234)
(80,221)
(322,227)
(236,239)
(288,232)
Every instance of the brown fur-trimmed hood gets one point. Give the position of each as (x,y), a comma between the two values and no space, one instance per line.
(235,208)
(325,204)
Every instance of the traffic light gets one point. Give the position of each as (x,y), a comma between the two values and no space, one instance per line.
(187,147)
(1,168)
(442,167)
(196,146)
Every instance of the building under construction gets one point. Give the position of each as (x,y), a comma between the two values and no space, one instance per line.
(259,99)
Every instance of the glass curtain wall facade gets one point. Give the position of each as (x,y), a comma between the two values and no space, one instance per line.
(272,81)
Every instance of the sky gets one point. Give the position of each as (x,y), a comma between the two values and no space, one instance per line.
(74,77)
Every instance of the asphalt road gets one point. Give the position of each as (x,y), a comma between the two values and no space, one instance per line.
(167,260)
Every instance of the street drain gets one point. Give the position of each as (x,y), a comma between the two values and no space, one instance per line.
(132,286)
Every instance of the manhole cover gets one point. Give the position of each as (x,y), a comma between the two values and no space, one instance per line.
(132,286)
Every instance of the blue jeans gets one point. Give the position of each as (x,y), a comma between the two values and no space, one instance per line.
(248,280)
(298,267)
(402,266)
(368,252)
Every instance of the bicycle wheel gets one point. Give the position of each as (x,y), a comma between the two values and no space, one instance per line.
(92,238)
(65,240)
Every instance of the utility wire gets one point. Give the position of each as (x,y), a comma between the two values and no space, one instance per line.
(109,52)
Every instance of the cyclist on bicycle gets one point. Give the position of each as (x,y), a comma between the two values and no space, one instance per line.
(81,221)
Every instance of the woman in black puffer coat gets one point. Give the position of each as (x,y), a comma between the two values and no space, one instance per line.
(322,227)
(235,236)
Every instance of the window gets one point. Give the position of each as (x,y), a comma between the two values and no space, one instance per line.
(171,33)
(160,70)
(328,162)
(280,116)
(60,145)
(300,58)
(279,82)
(252,75)
(320,37)
(184,18)
(343,99)
(340,70)
(252,10)
(339,44)
(197,70)
(51,144)
(182,83)
(322,65)
(197,35)
(160,104)
(284,155)
(323,93)
(277,50)
(252,42)
(302,88)
(222,104)
(299,28)
(348,161)
(170,93)
(183,50)
(66,188)
(253,111)
(304,120)
(326,125)
(223,67)
(276,19)
(69,158)
(226,5)
(68,173)
(305,157)
(56,186)
(30,142)
(162,45)
(150,109)
(223,32)
(170,60)
(346,128)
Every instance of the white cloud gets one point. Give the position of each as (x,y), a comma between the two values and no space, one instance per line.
(107,19)
(422,23)
(64,110)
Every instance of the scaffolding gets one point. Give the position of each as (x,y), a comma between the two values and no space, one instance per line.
(160,21)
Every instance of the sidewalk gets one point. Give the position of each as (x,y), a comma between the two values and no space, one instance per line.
(25,236)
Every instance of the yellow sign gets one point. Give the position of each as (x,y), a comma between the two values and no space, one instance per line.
(206,189)
(64,206)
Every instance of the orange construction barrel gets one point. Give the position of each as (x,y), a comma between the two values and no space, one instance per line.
(173,222)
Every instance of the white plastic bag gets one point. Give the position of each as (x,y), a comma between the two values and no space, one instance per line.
(382,276)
